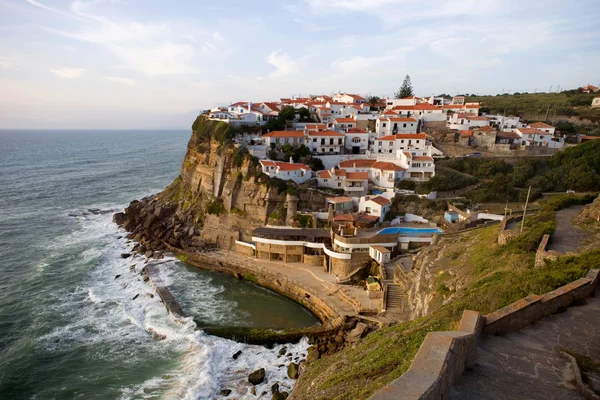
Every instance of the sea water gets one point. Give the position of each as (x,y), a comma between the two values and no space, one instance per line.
(75,317)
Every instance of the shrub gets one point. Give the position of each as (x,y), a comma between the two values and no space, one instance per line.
(216,207)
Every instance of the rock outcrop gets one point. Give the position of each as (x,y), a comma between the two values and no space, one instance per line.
(220,196)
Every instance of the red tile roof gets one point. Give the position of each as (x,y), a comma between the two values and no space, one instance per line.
(425,106)
(357,176)
(344,217)
(382,201)
(453,106)
(324,174)
(402,119)
(344,120)
(326,133)
(466,133)
(340,199)
(361,163)
(540,125)
(529,131)
(283,166)
(411,136)
(422,158)
(284,134)
(387,166)
(388,137)
(356,130)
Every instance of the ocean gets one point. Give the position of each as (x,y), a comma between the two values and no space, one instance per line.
(75,317)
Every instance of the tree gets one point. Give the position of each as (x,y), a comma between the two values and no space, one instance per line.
(287,113)
(275,124)
(406,90)
(304,114)
(373,100)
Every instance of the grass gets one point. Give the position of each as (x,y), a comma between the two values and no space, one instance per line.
(492,277)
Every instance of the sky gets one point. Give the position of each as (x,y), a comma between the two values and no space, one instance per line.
(156,64)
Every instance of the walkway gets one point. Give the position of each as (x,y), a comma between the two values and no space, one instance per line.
(568,237)
(315,278)
(526,365)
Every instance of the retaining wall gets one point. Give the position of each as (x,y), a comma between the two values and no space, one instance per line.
(523,312)
(541,255)
(441,359)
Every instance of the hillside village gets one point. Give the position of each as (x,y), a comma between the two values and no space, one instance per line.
(360,151)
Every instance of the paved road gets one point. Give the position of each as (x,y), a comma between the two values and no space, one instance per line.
(568,237)
(525,364)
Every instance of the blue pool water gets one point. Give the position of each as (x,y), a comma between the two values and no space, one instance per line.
(409,231)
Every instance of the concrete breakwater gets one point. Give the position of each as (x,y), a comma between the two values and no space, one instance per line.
(163,291)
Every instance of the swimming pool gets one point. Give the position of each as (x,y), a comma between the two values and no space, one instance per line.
(409,231)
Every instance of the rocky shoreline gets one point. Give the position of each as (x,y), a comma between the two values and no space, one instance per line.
(159,229)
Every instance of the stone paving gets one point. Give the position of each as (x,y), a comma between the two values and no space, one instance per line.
(526,364)
(568,237)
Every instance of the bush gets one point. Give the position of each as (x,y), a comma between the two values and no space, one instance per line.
(216,207)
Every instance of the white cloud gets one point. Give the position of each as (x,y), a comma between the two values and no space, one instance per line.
(68,73)
(282,62)
(166,58)
(120,79)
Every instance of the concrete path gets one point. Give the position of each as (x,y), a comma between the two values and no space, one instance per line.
(526,365)
(568,237)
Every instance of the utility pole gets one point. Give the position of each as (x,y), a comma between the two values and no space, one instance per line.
(525,209)
(547,111)
(550,91)
(558,90)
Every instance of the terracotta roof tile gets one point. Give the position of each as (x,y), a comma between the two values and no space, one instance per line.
(284,134)
(361,163)
(357,176)
(382,201)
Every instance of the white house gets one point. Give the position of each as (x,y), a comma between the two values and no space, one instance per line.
(377,206)
(357,141)
(543,127)
(298,173)
(464,121)
(325,142)
(596,102)
(353,183)
(394,144)
(391,125)
(325,114)
(383,174)
(343,124)
(349,98)
(407,101)
(536,137)
(277,139)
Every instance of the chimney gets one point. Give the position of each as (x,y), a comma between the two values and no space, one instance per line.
(291,160)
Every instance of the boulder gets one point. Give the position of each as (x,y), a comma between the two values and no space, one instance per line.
(283,351)
(125,255)
(257,377)
(275,388)
(293,370)
(148,254)
(119,218)
(117,276)
(279,396)
(313,354)
(225,392)
(237,354)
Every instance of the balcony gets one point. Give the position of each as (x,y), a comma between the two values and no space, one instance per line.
(354,188)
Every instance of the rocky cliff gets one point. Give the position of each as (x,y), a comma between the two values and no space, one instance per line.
(220,196)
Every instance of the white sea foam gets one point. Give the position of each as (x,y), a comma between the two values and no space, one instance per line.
(103,315)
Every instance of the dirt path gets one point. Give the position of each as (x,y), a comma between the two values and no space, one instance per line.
(568,237)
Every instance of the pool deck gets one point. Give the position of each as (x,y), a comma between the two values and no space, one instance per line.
(365,233)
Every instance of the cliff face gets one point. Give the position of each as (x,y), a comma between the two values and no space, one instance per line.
(219,197)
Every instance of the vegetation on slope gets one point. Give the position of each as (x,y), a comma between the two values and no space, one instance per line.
(476,273)
(528,104)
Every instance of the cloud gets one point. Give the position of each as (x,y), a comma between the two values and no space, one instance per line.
(282,62)
(68,73)
(9,61)
(120,79)
(152,49)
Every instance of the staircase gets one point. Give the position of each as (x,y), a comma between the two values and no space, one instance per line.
(394,302)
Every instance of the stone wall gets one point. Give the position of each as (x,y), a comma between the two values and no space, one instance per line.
(246,250)
(541,255)
(504,235)
(523,312)
(441,359)
(343,268)
(316,261)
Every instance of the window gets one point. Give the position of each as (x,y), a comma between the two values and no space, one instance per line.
(384,124)
(339,141)
(404,125)
(355,140)
(325,180)
(314,140)
(381,143)
(322,141)
(368,209)
(339,184)
(330,141)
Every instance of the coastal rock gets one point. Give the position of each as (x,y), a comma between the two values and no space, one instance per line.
(257,377)
(313,354)
(136,296)
(275,388)
(119,218)
(149,295)
(237,354)
(283,351)
(155,335)
(253,391)
(125,255)
(225,392)
(280,396)
(117,276)
(148,254)
(292,371)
